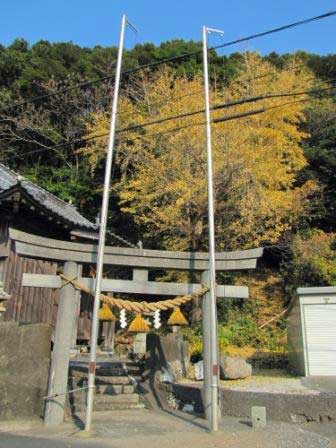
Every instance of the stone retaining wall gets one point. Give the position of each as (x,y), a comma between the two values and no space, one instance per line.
(287,407)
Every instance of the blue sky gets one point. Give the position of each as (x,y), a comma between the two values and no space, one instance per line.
(90,23)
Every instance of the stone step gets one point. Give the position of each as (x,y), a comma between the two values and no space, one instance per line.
(117,399)
(80,410)
(102,357)
(78,379)
(109,361)
(117,389)
(103,402)
(107,369)
(131,398)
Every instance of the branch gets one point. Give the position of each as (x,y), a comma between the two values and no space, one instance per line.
(265,324)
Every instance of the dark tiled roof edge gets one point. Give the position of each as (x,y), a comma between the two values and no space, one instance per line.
(9,179)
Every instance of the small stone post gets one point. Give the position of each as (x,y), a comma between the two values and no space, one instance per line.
(58,374)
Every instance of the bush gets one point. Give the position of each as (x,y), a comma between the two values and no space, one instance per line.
(245,333)
(240,331)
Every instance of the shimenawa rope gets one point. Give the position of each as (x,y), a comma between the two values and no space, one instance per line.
(138,307)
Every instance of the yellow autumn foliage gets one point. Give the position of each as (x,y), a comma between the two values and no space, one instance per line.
(256,158)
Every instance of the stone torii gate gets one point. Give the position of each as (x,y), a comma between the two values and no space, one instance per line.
(74,255)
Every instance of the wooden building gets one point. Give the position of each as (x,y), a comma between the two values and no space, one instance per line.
(27,207)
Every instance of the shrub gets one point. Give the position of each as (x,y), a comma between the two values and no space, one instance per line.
(240,331)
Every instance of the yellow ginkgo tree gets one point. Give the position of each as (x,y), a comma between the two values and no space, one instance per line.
(257,158)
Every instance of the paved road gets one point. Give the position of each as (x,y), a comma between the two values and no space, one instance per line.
(146,429)
(14,441)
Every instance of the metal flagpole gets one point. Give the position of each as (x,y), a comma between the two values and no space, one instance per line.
(212,265)
(102,234)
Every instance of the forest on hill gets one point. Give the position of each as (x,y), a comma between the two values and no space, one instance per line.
(274,169)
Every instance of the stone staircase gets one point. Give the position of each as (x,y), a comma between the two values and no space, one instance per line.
(116,384)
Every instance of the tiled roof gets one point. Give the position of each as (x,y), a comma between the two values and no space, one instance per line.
(11,180)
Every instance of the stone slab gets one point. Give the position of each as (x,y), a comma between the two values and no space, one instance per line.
(24,368)
(139,344)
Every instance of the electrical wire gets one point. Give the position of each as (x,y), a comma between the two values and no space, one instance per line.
(172,100)
(273,95)
(222,106)
(226,105)
(218,120)
(176,129)
(188,94)
(176,58)
(165,119)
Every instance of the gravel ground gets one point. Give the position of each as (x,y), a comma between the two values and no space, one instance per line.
(278,381)
(148,429)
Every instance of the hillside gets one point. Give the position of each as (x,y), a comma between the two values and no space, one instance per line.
(275,173)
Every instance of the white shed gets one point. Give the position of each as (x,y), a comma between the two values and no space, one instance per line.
(311,328)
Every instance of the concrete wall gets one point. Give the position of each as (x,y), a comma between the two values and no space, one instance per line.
(24,369)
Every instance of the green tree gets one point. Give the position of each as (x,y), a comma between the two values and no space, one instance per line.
(320,150)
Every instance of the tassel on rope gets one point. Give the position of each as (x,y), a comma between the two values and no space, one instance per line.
(105,313)
(177,318)
(138,325)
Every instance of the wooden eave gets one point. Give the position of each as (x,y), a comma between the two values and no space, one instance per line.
(42,210)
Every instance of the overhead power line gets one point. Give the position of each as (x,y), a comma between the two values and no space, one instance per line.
(56,93)
(175,58)
(179,128)
(234,42)
(105,134)
(273,95)
(223,106)
(155,104)
(174,117)
(277,30)
(171,100)
(219,120)
(228,104)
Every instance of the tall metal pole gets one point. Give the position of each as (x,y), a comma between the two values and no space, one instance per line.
(212,265)
(102,234)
